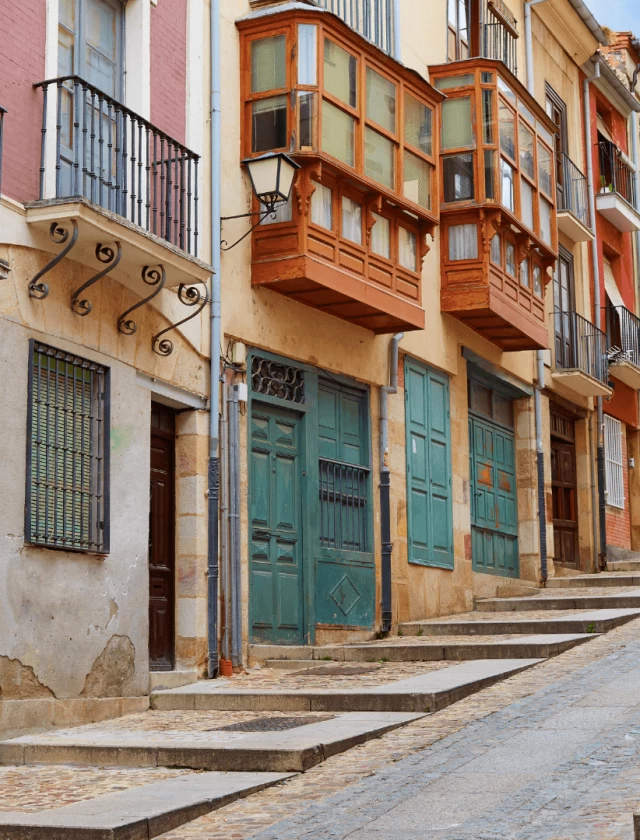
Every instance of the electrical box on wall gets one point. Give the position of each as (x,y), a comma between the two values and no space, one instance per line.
(239,353)
(242,390)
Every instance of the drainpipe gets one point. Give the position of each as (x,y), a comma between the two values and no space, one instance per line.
(385,482)
(596,301)
(635,124)
(213,472)
(542,507)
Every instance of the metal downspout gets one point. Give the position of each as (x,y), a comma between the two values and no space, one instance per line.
(596,301)
(635,127)
(225,599)
(234,527)
(542,507)
(213,472)
(385,483)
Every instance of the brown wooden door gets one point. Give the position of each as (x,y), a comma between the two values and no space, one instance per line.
(162,540)
(565,503)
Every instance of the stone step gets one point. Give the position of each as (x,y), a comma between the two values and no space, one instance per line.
(598,621)
(594,581)
(628,600)
(623,565)
(274,744)
(139,813)
(423,693)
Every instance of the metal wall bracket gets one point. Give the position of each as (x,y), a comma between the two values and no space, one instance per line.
(110,258)
(197,296)
(59,235)
(152,277)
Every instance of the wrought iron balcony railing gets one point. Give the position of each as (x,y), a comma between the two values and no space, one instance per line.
(572,191)
(616,174)
(499,37)
(624,335)
(107,153)
(580,345)
(374,19)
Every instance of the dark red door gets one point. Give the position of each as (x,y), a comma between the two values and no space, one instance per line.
(162,540)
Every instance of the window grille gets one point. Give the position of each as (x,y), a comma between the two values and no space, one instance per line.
(343,506)
(67,452)
(614,465)
(277,380)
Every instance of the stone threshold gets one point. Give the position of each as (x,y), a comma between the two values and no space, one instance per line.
(139,813)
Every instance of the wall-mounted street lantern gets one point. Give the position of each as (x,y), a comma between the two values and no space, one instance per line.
(272,176)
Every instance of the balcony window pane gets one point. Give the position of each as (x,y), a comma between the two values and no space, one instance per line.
(526,113)
(417,180)
(418,125)
(269,117)
(268,67)
(507,123)
(544,169)
(506,91)
(338,132)
(457,171)
(351,220)
(463,242)
(524,273)
(496,250)
(340,72)
(457,130)
(507,190)
(66,43)
(307,54)
(526,202)
(407,249)
(67,13)
(322,206)
(527,164)
(490,174)
(282,213)
(381,236)
(307,116)
(449,82)
(537,280)
(488,126)
(510,258)
(379,158)
(381,100)
(545,221)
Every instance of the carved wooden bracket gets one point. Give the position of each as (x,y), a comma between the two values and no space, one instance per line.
(373,205)
(305,186)
(426,229)
(491,223)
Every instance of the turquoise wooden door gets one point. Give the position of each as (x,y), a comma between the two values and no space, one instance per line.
(344,564)
(429,504)
(494,518)
(276,580)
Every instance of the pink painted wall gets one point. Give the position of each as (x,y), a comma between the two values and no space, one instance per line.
(169,67)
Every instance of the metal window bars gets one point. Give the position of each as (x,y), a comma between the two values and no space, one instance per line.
(580,345)
(343,505)
(614,475)
(108,154)
(67,452)
(624,336)
(572,191)
(616,173)
(373,19)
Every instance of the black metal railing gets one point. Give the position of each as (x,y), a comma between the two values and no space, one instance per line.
(3,111)
(572,191)
(108,154)
(616,174)
(623,328)
(343,505)
(498,39)
(374,19)
(580,345)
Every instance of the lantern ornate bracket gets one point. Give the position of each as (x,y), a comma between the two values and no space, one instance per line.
(110,258)
(60,235)
(189,295)
(268,211)
(152,277)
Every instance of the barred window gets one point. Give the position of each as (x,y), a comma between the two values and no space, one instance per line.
(67,452)
(613,457)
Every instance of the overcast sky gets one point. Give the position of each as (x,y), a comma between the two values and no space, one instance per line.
(621,15)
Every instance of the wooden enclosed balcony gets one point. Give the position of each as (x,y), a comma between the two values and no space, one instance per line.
(498,203)
(365,131)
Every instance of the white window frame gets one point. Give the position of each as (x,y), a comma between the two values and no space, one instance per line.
(614,464)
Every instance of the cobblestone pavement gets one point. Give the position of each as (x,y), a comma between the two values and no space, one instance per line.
(554,752)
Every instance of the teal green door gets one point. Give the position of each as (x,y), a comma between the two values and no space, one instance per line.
(429,504)
(275,510)
(494,519)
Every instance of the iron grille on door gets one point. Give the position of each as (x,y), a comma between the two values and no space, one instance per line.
(67,461)
(614,466)
(343,506)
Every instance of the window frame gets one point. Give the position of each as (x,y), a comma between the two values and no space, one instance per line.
(100,523)
(614,472)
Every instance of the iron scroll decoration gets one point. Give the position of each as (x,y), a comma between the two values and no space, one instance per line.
(110,258)
(275,379)
(152,277)
(60,235)
(189,295)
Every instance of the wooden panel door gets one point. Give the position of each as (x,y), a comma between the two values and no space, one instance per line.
(162,540)
(429,506)
(565,507)
(276,580)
